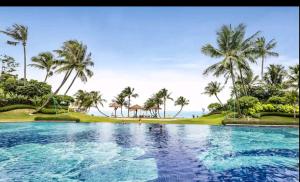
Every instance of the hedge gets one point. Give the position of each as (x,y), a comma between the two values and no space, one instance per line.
(16,106)
(277,114)
(56,118)
(52,111)
(253,122)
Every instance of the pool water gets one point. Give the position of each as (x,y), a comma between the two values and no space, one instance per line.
(131,152)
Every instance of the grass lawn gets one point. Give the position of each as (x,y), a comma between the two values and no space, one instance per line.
(22,115)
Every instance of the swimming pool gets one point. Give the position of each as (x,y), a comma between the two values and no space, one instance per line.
(131,152)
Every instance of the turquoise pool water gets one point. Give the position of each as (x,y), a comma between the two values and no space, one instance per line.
(131,152)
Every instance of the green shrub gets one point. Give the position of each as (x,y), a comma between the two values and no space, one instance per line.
(56,118)
(278,114)
(247,102)
(286,108)
(277,100)
(13,100)
(52,111)
(214,107)
(17,106)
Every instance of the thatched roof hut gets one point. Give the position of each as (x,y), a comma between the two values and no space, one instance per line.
(135,107)
(114,105)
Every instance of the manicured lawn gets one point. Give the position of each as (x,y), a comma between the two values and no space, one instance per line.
(21,115)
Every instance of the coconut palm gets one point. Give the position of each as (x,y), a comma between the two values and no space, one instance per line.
(82,100)
(264,49)
(19,34)
(83,60)
(293,77)
(180,101)
(234,49)
(120,100)
(44,61)
(129,93)
(165,96)
(249,80)
(149,104)
(158,100)
(66,64)
(213,88)
(275,75)
(96,100)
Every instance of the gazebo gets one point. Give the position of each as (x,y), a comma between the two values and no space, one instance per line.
(135,108)
(115,106)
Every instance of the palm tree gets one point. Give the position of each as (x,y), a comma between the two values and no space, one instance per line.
(264,50)
(83,62)
(293,77)
(249,80)
(275,75)
(234,50)
(158,100)
(44,61)
(149,104)
(19,33)
(65,65)
(129,93)
(181,101)
(120,100)
(165,95)
(213,88)
(96,100)
(81,99)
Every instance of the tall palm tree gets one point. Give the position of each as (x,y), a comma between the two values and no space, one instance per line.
(19,34)
(80,99)
(129,93)
(275,74)
(249,80)
(213,88)
(293,77)
(158,100)
(149,104)
(65,65)
(180,101)
(234,49)
(265,49)
(165,95)
(83,60)
(97,99)
(44,61)
(120,100)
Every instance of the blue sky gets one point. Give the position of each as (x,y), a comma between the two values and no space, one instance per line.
(148,47)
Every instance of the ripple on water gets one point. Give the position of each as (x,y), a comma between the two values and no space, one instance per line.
(69,161)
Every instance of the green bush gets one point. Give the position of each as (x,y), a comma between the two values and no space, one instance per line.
(52,111)
(247,102)
(278,114)
(17,106)
(214,107)
(56,118)
(277,100)
(59,100)
(13,100)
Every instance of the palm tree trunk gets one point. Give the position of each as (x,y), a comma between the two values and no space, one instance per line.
(116,112)
(71,83)
(178,112)
(25,64)
(46,77)
(164,108)
(101,111)
(128,106)
(243,84)
(57,90)
(122,111)
(234,89)
(262,67)
(219,99)
(158,113)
